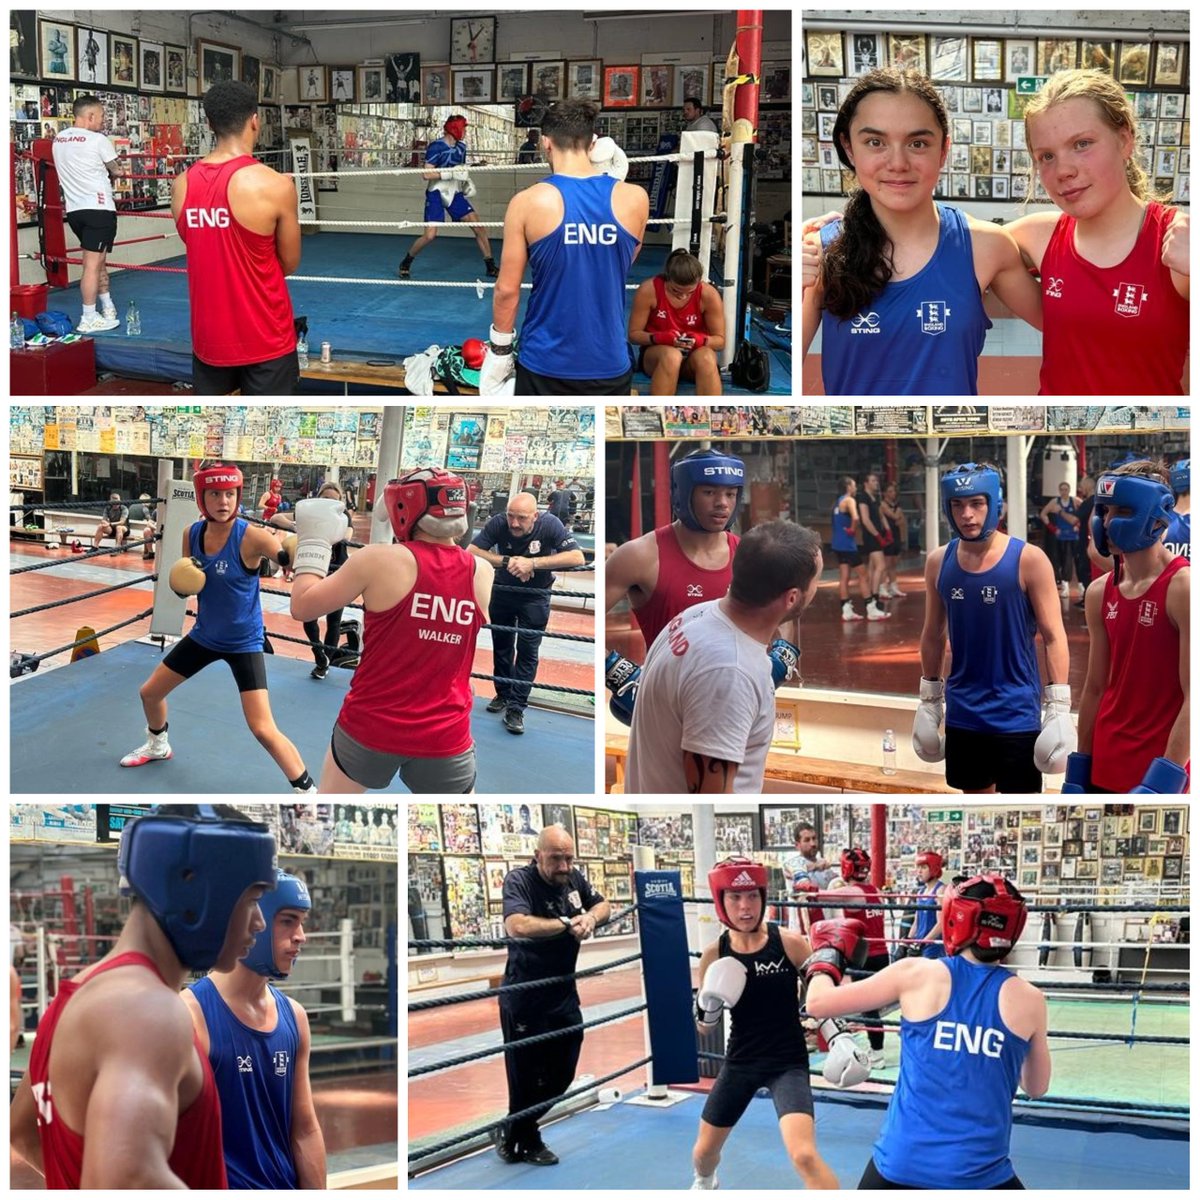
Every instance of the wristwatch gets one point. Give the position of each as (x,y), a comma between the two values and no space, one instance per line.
(566,922)
(504,563)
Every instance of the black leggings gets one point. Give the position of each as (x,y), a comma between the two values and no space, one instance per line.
(871,1178)
(333,633)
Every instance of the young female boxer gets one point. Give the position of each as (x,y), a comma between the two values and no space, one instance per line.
(1114,264)
(899,292)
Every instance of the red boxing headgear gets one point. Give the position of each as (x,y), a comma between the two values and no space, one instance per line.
(473,351)
(736,875)
(933,860)
(456,126)
(992,919)
(277,485)
(856,865)
(429,490)
(217,478)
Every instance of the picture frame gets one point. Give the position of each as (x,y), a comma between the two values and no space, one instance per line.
(691,81)
(656,81)
(825,54)
(1168,64)
(960,157)
(175,70)
(473,85)
(1057,54)
(123,61)
(827,97)
(530,111)
(1020,58)
(981,160)
(548,79)
(512,80)
(960,186)
(993,102)
(1169,133)
(312,83)
(983,187)
(808,149)
(776,84)
(1002,133)
(472,41)
(864,52)
(972,100)
(981,133)
(270,89)
(341,85)
(1134,64)
(1097,55)
(621,86)
(436,84)
(810,181)
(403,76)
(91,68)
(987,60)
(23,43)
(808,120)
(950,97)
(1171,105)
(56,50)
(152,66)
(252,71)
(907,50)
(717,99)
(949,59)
(216,62)
(1018,187)
(585,78)
(825,122)
(960,130)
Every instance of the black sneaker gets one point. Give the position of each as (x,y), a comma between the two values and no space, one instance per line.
(496,703)
(319,671)
(540,1155)
(492,270)
(506,1151)
(405,269)
(514,722)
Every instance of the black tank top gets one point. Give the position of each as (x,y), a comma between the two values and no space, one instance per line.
(766,1020)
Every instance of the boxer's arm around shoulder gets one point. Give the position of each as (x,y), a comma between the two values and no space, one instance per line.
(308,1142)
(22,1127)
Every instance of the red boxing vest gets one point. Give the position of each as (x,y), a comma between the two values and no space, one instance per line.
(241,310)
(1142,696)
(197,1157)
(411,693)
(680,584)
(1112,331)
(872,918)
(663,316)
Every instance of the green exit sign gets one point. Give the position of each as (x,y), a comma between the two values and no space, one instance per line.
(1027,85)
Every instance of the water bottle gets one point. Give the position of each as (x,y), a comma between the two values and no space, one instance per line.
(302,350)
(133,321)
(889,752)
(16,340)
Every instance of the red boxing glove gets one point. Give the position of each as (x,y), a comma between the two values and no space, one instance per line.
(698,339)
(885,536)
(663,337)
(837,946)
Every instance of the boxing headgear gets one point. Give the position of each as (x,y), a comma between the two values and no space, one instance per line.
(705,468)
(736,875)
(1181,477)
(431,495)
(190,871)
(972,480)
(217,478)
(1150,503)
(933,860)
(992,919)
(856,865)
(289,892)
(456,126)
(277,485)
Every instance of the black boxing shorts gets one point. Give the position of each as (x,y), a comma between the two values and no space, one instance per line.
(376,769)
(737,1083)
(530,384)
(975,761)
(848,558)
(275,377)
(187,657)
(870,543)
(96,228)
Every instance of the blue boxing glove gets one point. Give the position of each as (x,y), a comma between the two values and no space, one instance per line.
(1079,775)
(621,677)
(785,661)
(1162,778)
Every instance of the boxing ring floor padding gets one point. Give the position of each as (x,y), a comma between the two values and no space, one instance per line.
(360,320)
(628,1146)
(71,726)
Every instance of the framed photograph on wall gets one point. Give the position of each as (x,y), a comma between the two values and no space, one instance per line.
(907,51)
(972,100)
(512,80)
(1057,54)
(825,55)
(56,43)
(271,89)
(717,99)
(691,81)
(124,69)
(827,97)
(252,71)
(776,83)
(948,58)
(150,64)
(1168,64)
(960,131)
(175,58)
(1097,56)
(403,78)
(92,63)
(312,84)
(23,43)
(217,63)
(864,52)
(341,85)
(473,85)
(987,64)
(621,87)
(548,79)
(585,78)
(656,85)
(1134,67)
(435,83)
(1020,58)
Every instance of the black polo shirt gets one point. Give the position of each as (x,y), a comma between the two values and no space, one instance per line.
(548,536)
(525,891)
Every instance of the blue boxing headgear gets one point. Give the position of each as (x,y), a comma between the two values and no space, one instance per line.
(289,892)
(972,480)
(1181,477)
(1151,503)
(705,468)
(191,870)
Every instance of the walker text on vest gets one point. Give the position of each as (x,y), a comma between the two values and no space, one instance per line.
(595,235)
(951,1035)
(215,218)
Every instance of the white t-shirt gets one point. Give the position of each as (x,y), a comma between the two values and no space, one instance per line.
(80,156)
(706,687)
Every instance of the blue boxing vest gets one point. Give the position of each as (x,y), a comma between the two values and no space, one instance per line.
(229,609)
(994,685)
(965,1051)
(575,325)
(922,336)
(255,1080)
(843,539)
(1066,531)
(1178,538)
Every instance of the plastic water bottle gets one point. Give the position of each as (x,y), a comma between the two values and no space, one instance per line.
(16,340)
(889,752)
(302,350)
(133,321)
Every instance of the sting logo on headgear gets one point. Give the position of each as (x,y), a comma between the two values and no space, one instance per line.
(705,468)
(218,477)
(986,911)
(1150,503)
(428,494)
(736,875)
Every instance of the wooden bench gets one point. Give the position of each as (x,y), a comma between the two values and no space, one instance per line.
(375,374)
(785,767)
(62,528)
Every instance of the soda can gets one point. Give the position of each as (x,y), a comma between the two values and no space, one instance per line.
(325,355)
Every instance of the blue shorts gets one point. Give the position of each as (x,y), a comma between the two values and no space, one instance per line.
(435,210)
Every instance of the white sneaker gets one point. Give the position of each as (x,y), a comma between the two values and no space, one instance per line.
(848,613)
(96,323)
(877,1059)
(875,613)
(312,789)
(896,593)
(1064,589)
(154,748)
(704,1183)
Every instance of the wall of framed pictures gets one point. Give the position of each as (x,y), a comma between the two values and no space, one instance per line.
(986,83)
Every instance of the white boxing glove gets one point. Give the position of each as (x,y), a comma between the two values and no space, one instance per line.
(458,174)
(847,1062)
(498,368)
(928,742)
(722,987)
(469,189)
(320,525)
(1058,738)
(610,158)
